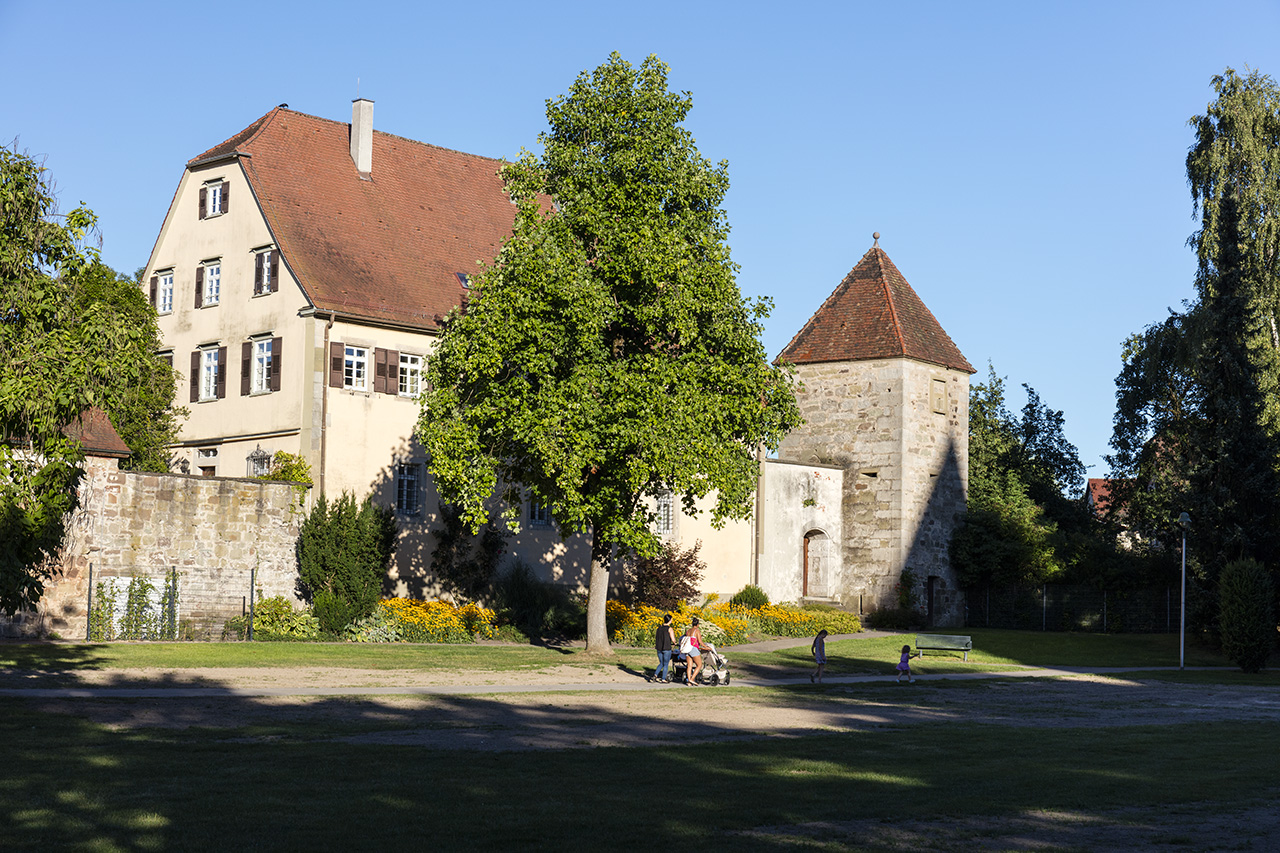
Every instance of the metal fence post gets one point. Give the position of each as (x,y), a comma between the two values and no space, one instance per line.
(1044,608)
(253,576)
(88,617)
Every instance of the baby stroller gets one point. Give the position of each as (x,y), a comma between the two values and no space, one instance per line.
(715,667)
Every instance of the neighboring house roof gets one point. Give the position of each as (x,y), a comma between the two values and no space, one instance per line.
(387,247)
(873,314)
(96,435)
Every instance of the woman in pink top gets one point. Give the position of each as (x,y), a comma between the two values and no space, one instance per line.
(693,666)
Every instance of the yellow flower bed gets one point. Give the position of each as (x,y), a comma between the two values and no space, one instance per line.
(438,621)
(723,624)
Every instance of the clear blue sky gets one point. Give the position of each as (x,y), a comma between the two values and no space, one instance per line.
(1023,162)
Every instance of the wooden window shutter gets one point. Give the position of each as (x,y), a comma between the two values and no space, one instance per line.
(195,376)
(226,195)
(277,344)
(336,352)
(257,274)
(246,367)
(155,285)
(204,201)
(168,359)
(380,371)
(222,374)
(199,286)
(393,372)
(275,270)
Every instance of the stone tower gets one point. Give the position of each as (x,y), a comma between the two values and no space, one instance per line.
(885,397)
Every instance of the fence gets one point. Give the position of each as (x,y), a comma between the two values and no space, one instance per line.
(165,603)
(1066,607)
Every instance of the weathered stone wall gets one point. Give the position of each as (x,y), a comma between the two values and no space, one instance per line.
(905,471)
(215,531)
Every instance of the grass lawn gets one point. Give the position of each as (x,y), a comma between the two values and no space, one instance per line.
(73,785)
(993,649)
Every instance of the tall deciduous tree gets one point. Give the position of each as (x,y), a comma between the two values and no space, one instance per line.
(61,351)
(1234,172)
(607,355)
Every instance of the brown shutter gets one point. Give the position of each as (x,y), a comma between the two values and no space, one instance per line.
(195,376)
(257,274)
(199,286)
(226,196)
(246,367)
(275,270)
(277,344)
(168,359)
(336,352)
(155,284)
(393,372)
(221,384)
(204,201)
(379,371)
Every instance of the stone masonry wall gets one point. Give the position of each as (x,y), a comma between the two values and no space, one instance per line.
(905,471)
(215,531)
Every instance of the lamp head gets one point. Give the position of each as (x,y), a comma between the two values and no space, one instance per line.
(1184,521)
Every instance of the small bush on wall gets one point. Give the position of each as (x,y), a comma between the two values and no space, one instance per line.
(344,551)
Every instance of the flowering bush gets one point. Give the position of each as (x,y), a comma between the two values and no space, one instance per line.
(725,624)
(411,621)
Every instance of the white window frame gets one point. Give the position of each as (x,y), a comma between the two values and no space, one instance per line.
(355,368)
(164,293)
(208,374)
(266,271)
(263,357)
(407,481)
(410,376)
(213,199)
(212,283)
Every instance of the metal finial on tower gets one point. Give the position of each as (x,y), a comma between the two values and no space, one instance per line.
(876,237)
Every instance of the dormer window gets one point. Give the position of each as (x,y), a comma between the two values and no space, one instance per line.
(213,198)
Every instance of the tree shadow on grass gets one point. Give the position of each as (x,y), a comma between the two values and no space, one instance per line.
(193,769)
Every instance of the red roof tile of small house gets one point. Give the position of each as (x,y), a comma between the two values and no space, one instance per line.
(873,314)
(387,247)
(96,435)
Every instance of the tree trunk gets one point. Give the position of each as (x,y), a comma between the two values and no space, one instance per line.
(597,595)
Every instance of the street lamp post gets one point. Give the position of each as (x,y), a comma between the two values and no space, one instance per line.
(1184,521)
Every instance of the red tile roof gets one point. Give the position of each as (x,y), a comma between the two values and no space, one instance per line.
(96,435)
(387,248)
(874,313)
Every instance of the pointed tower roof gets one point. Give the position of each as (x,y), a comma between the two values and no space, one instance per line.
(874,313)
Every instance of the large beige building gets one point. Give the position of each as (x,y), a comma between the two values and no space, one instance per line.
(302,273)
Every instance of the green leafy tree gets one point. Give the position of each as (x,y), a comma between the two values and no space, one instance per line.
(140,403)
(289,468)
(607,354)
(54,364)
(344,552)
(1246,615)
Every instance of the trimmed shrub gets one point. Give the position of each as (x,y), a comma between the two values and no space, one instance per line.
(1246,619)
(749,598)
(894,619)
(344,551)
(669,578)
(727,624)
(411,621)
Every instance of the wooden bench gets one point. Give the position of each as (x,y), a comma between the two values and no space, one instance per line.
(944,643)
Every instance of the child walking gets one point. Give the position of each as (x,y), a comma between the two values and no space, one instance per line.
(819,649)
(904,665)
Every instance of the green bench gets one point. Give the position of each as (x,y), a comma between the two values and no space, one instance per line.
(944,643)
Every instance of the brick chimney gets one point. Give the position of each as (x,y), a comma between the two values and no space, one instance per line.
(362,135)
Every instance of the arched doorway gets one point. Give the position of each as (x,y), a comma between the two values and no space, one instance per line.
(816,581)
